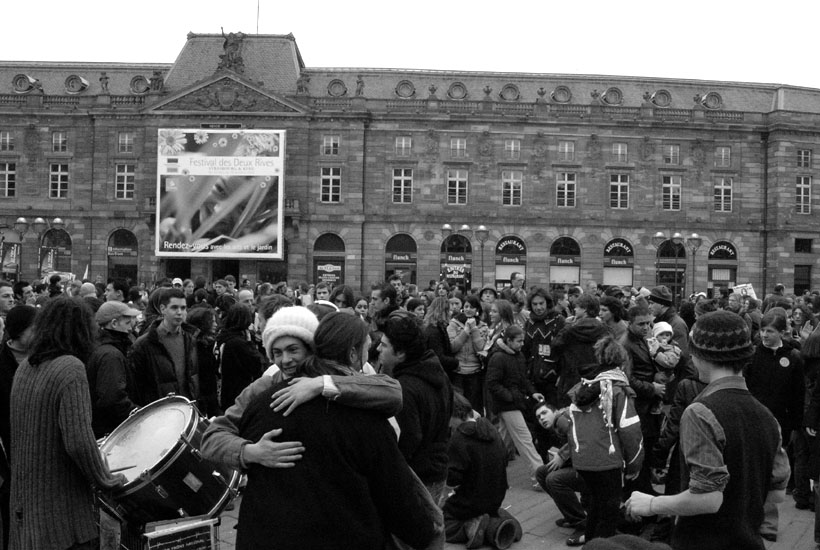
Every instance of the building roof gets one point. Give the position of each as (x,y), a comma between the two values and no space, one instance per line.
(272,60)
(275,64)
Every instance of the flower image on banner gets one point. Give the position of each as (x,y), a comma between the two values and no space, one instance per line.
(220,193)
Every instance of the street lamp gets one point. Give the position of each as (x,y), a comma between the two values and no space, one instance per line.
(481,234)
(39,226)
(693,242)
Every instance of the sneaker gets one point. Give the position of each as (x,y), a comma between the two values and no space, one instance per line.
(578,538)
(804,506)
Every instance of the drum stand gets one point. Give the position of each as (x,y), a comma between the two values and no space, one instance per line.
(194,533)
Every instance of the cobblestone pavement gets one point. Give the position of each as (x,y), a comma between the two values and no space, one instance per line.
(537,514)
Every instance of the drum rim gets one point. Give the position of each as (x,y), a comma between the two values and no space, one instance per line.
(231,491)
(169,458)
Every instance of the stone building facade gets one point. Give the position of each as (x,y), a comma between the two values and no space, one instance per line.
(565,178)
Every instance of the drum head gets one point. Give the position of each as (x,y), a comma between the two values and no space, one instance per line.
(140,442)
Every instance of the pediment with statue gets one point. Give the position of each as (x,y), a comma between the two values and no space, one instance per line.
(227,94)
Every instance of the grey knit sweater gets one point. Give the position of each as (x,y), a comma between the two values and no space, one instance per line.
(55,459)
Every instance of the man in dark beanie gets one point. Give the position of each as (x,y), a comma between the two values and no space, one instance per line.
(662,307)
(731,444)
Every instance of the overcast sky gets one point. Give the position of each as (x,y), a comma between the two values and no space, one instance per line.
(694,39)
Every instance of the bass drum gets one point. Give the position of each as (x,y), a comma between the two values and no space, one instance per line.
(157,449)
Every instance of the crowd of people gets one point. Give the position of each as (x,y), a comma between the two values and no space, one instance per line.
(641,418)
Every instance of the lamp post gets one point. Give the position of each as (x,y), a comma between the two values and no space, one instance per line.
(693,242)
(481,234)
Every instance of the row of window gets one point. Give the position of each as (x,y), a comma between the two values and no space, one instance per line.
(619,151)
(565,189)
(58,180)
(456,181)
(59,141)
(458,148)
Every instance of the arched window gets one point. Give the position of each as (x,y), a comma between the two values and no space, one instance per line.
(329,242)
(329,259)
(456,244)
(565,246)
(55,251)
(123,254)
(400,258)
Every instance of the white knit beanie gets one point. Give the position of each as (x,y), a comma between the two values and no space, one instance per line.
(296,321)
(661,327)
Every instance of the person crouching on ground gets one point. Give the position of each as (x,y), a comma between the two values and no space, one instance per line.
(477,468)
(605,436)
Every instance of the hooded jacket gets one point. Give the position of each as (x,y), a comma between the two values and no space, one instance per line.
(507,379)
(605,433)
(110,381)
(573,347)
(477,469)
(424,419)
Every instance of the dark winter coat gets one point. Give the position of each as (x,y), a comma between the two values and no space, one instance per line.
(240,364)
(686,392)
(775,378)
(477,469)
(153,366)
(351,491)
(641,372)
(438,341)
(573,347)
(507,380)
(424,418)
(208,366)
(111,382)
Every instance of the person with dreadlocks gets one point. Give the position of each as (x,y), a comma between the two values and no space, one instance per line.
(605,435)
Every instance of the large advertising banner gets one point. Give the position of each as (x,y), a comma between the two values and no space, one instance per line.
(220,193)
